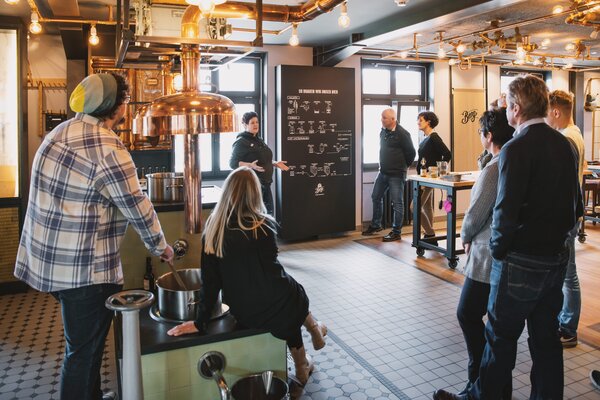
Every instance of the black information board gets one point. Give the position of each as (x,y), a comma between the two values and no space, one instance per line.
(315,135)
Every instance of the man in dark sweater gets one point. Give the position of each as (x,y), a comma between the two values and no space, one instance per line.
(538,203)
(396,154)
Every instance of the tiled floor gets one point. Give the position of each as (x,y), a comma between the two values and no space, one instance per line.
(393,332)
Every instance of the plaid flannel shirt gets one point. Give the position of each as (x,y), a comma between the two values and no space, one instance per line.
(84,191)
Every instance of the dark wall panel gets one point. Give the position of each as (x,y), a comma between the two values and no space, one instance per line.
(315,135)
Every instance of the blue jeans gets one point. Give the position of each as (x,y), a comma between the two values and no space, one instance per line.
(86,323)
(569,315)
(395,184)
(523,288)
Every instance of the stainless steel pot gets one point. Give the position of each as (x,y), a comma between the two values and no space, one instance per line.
(178,304)
(165,187)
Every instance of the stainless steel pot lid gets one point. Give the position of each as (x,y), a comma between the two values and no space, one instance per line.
(155,315)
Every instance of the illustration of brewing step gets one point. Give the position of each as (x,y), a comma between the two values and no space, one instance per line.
(322,148)
(315,170)
(298,127)
(298,106)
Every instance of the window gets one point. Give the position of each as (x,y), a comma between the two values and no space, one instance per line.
(400,86)
(508,75)
(241,82)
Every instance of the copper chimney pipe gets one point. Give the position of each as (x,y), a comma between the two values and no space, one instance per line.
(188,113)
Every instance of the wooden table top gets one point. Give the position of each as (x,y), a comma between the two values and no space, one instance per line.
(467,180)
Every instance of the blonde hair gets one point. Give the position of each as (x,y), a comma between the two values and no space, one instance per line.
(531,94)
(563,100)
(240,207)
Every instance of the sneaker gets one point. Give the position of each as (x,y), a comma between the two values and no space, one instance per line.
(109,395)
(371,230)
(567,341)
(595,378)
(392,237)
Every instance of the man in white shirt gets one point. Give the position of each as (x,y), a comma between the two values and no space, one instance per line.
(560,117)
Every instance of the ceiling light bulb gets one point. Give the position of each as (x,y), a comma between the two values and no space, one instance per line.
(206,6)
(521,53)
(568,65)
(546,42)
(452,61)
(294,40)
(11,2)
(94,40)
(344,19)
(461,48)
(401,3)
(537,62)
(570,47)
(441,52)
(557,9)
(404,54)
(35,26)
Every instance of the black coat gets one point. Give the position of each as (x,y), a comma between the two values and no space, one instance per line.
(396,151)
(259,292)
(248,148)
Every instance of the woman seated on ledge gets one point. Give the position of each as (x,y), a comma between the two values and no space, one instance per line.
(239,256)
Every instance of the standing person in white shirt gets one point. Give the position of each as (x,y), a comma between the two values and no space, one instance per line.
(560,117)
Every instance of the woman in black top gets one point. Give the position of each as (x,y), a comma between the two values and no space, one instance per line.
(251,151)
(431,150)
(239,257)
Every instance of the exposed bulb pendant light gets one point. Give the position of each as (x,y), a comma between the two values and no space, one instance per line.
(546,42)
(294,40)
(404,54)
(461,48)
(11,2)
(35,27)
(441,52)
(207,6)
(93,39)
(557,9)
(344,19)
(521,53)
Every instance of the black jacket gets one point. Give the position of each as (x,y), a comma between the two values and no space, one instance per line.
(260,294)
(539,198)
(248,148)
(433,149)
(396,151)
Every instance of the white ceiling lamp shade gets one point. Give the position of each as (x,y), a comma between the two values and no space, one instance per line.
(344,19)
(94,40)
(294,40)
(35,27)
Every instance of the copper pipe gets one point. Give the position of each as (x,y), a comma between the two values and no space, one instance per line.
(193,184)
(190,60)
(271,12)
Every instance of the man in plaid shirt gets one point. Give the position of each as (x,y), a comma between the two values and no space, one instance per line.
(84,192)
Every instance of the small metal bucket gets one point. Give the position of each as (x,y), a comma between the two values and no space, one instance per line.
(252,387)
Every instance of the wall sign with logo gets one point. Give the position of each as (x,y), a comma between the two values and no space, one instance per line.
(468,106)
(315,135)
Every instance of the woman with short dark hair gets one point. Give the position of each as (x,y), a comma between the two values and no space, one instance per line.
(475,235)
(431,150)
(249,150)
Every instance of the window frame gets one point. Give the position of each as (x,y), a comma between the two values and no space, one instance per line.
(393,100)
(254,97)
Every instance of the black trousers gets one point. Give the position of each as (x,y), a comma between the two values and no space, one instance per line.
(267,198)
(472,307)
